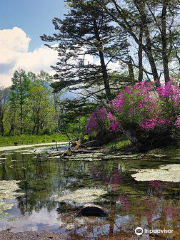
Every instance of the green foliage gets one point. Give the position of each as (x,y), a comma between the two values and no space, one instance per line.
(41,108)
(118,145)
(74,115)
(30,106)
(31,139)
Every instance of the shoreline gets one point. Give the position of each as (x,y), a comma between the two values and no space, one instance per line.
(31,235)
(10,148)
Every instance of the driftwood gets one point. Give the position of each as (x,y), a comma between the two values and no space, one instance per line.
(74,151)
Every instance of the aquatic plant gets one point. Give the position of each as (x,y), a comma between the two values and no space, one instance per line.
(8,191)
(169,173)
(83,196)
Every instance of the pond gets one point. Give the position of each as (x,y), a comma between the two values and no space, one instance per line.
(130,203)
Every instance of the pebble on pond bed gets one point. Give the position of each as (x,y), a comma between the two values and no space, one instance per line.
(168,173)
(83,195)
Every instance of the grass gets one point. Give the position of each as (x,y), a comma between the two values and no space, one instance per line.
(172,150)
(31,139)
(117,145)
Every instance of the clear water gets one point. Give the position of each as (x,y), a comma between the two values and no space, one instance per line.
(131,204)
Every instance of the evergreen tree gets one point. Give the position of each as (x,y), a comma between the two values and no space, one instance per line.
(86,32)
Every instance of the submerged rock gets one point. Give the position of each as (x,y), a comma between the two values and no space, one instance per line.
(168,173)
(92,210)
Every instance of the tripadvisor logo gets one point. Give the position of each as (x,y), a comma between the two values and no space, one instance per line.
(139,231)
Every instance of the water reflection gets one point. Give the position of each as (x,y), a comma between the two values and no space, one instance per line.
(151,205)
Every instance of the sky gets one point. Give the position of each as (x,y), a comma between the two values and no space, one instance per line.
(22,22)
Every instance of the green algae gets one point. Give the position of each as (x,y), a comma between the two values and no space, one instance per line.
(168,173)
(83,196)
(8,192)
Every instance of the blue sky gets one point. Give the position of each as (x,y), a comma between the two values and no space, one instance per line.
(34,17)
(22,22)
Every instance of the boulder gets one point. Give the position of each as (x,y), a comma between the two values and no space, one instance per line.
(92,210)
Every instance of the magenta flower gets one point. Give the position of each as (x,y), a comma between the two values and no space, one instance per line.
(177,123)
(141,104)
(114,126)
(96,120)
(111,117)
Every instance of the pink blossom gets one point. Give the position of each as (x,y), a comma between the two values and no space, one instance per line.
(140,106)
(111,117)
(148,124)
(96,119)
(177,123)
(161,122)
(127,90)
(114,126)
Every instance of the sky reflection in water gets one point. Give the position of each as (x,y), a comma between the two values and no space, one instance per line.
(131,204)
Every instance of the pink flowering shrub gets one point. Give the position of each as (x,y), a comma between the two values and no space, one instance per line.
(142,111)
(148,107)
(114,125)
(97,121)
(149,115)
(177,123)
(101,123)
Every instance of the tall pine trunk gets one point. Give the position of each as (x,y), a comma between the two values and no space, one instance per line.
(164,42)
(102,61)
(131,70)
(140,54)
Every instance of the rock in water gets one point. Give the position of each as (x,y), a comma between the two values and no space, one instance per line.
(92,210)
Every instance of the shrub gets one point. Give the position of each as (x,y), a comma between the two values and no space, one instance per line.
(148,116)
(101,124)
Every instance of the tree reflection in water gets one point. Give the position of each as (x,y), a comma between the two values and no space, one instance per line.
(130,203)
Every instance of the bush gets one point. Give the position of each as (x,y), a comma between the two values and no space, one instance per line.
(148,116)
(101,125)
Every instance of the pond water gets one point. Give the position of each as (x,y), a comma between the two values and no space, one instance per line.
(130,203)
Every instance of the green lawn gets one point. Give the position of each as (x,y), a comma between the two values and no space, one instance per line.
(31,139)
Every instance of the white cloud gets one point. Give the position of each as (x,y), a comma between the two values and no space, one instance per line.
(14,39)
(15,54)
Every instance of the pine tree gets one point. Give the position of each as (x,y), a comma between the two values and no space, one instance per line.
(86,32)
